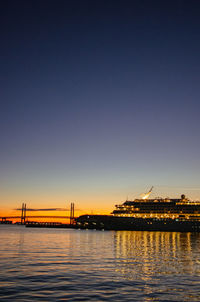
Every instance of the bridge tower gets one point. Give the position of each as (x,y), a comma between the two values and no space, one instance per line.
(72,213)
(23,214)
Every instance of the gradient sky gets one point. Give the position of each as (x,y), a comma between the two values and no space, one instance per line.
(99,100)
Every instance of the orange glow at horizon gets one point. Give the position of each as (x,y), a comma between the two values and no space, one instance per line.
(49,216)
(92,203)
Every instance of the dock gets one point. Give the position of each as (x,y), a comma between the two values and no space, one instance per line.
(50,225)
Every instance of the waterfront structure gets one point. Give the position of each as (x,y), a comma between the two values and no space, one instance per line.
(162,214)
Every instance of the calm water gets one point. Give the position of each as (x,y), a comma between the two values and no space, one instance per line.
(81,265)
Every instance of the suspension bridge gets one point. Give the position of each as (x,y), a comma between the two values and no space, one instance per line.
(24,218)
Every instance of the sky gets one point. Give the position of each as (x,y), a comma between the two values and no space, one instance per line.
(99,100)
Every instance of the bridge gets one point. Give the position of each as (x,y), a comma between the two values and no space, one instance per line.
(23,217)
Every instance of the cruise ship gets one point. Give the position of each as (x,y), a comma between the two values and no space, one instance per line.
(158,214)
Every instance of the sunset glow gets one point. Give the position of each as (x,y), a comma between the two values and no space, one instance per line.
(99,106)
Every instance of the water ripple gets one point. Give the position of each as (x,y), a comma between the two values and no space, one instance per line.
(74,265)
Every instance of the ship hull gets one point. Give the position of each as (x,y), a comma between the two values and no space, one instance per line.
(108,222)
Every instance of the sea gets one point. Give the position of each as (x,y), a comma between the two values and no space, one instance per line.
(47,264)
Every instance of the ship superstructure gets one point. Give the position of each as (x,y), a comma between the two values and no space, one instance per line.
(173,208)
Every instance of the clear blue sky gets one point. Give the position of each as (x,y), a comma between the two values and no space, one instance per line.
(98,100)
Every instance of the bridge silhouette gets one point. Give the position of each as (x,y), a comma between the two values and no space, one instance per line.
(23,217)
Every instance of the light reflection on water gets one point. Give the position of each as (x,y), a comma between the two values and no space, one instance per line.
(148,254)
(80,265)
